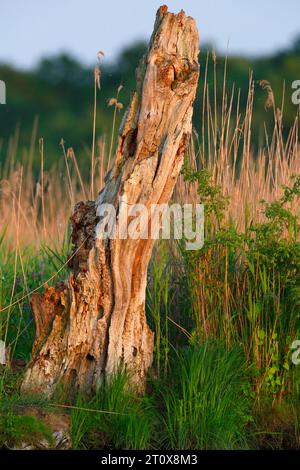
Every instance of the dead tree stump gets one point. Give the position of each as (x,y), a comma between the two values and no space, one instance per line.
(95,322)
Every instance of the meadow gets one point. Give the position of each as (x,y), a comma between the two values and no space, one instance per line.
(225,317)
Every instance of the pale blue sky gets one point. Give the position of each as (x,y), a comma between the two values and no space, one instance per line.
(30,29)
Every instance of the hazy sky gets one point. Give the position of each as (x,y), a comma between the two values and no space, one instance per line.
(30,29)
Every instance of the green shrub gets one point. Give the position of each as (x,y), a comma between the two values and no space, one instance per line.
(244,285)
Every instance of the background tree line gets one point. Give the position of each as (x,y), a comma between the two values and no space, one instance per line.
(59,93)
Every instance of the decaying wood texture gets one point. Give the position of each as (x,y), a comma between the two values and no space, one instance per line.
(95,322)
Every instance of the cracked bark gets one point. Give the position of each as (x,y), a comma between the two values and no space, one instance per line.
(95,322)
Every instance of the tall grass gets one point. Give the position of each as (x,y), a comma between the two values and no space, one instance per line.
(245,284)
(158,302)
(205,404)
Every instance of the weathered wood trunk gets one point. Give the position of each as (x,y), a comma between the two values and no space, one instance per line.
(95,322)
